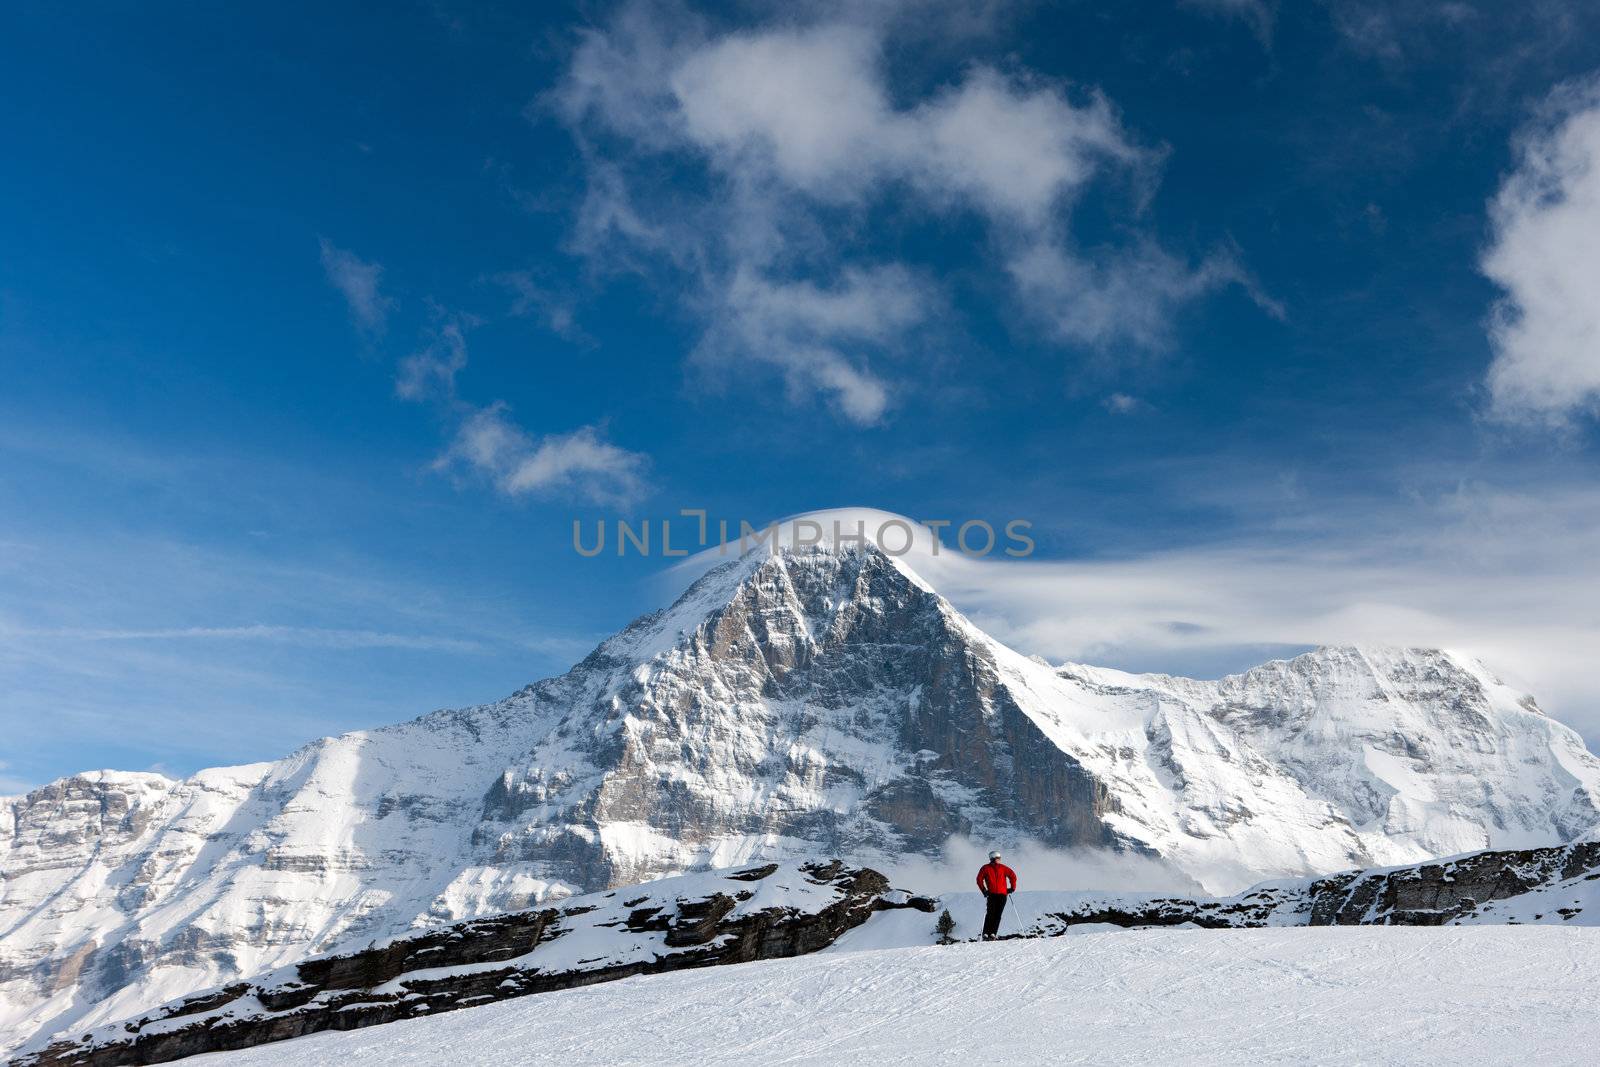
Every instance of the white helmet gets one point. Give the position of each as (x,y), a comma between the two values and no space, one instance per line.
(994,855)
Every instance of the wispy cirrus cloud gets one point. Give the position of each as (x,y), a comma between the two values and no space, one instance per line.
(357,281)
(485,441)
(310,636)
(487,444)
(788,137)
(531,299)
(430,372)
(118,649)
(1129,296)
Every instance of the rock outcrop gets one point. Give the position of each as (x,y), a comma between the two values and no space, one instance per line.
(1557,885)
(766,912)
(769,912)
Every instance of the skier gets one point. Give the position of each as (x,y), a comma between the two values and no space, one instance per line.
(996,881)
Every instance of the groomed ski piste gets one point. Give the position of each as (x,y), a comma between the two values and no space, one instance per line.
(1348,995)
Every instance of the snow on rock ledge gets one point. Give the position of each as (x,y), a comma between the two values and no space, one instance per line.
(766,912)
(1542,886)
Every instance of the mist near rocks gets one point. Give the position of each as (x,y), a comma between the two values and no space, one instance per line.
(1041,867)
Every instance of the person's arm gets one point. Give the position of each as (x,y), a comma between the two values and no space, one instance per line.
(981,887)
(1011,876)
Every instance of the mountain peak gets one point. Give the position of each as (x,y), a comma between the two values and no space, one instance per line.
(796,700)
(772,575)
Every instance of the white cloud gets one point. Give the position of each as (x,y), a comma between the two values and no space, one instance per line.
(431,371)
(1133,295)
(612,228)
(1545,331)
(807,331)
(1014,150)
(357,280)
(621,75)
(488,443)
(806,104)
(1123,404)
(811,107)
(802,138)
(529,298)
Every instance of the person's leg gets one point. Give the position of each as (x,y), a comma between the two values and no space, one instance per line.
(991,917)
(999,910)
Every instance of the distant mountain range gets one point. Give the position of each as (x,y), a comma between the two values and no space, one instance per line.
(808,703)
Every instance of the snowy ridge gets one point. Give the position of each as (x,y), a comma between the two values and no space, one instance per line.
(1553,886)
(1215,998)
(777,911)
(697,920)
(1391,755)
(816,702)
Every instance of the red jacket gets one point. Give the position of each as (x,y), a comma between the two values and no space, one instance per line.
(996,877)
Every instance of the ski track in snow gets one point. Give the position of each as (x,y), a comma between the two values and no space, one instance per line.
(1372,995)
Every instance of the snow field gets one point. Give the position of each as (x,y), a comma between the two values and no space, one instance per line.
(1347,995)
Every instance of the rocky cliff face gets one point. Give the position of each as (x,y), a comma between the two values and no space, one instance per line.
(1559,885)
(767,912)
(815,702)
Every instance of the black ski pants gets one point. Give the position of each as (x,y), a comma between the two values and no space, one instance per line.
(991,920)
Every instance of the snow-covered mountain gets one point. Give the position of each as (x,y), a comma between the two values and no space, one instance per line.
(819,701)
(779,911)
(707,919)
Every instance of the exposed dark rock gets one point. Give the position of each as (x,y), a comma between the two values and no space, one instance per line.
(754,874)
(1425,894)
(1432,894)
(499,957)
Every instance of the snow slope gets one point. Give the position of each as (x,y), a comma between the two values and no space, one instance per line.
(778,911)
(1373,995)
(697,920)
(817,702)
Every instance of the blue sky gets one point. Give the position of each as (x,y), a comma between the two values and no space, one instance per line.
(319,327)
